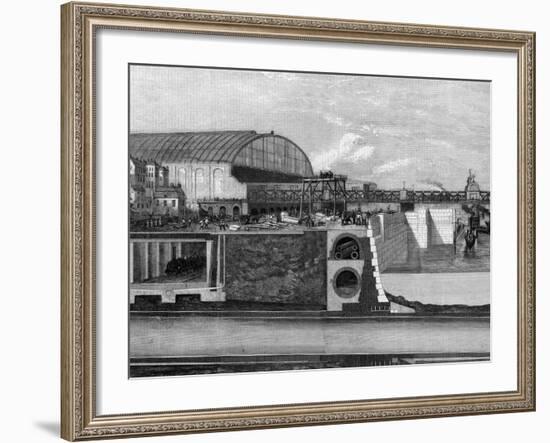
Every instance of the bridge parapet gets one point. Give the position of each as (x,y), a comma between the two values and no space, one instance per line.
(353,195)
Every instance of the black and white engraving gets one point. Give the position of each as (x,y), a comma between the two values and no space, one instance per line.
(304,220)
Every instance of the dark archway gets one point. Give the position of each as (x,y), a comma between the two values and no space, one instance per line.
(407,206)
(347,283)
(346,247)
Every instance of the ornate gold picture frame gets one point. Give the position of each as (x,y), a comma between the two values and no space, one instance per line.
(79,417)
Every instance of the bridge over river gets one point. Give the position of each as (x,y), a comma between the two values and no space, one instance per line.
(269,198)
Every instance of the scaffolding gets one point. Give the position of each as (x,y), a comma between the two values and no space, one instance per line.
(323,189)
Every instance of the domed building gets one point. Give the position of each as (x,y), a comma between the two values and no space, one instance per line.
(472,189)
(215,168)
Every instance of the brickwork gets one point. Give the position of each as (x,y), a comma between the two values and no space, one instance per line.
(393,250)
(397,234)
(441,226)
(418,229)
(376,224)
(391,241)
(458,208)
(375,266)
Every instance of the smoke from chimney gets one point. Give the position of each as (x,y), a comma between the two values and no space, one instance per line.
(435,183)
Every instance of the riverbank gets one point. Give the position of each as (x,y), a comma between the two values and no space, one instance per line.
(192,306)
(434,309)
(449,288)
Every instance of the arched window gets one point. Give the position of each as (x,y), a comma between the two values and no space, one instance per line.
(199,182)
(181,177)
(218,182)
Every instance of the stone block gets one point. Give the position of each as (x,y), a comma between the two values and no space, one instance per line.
(217,295)
(168,296)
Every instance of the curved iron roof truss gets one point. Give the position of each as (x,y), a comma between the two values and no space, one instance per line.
(217,146)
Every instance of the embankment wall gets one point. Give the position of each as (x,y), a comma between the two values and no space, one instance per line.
(391,236)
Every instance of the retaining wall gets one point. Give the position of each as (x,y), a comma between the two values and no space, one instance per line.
(398,234)
(457,207)
(391,237)
(418,229)
(441,226)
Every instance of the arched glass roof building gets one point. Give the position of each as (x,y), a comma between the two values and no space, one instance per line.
(246,149)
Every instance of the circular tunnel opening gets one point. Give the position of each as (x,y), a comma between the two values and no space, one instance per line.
(347,248)
(346,283)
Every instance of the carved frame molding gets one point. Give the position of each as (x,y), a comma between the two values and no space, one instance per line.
(79,23)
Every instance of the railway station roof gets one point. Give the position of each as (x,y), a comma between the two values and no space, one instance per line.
(239,147)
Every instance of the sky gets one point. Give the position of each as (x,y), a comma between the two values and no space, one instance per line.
(425,132)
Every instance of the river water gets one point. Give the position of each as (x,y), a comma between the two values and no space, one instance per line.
(440,275)
(447,258)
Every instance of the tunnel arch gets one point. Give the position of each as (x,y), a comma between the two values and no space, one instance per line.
(347,247)
(347,283)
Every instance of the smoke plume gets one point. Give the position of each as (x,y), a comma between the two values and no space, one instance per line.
(435,183)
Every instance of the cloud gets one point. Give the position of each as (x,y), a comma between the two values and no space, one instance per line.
(335,120)
(370,128)
(356,125)
(391,166)
(361,154)
(352,148)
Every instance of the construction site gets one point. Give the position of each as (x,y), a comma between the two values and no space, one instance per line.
(257,229)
